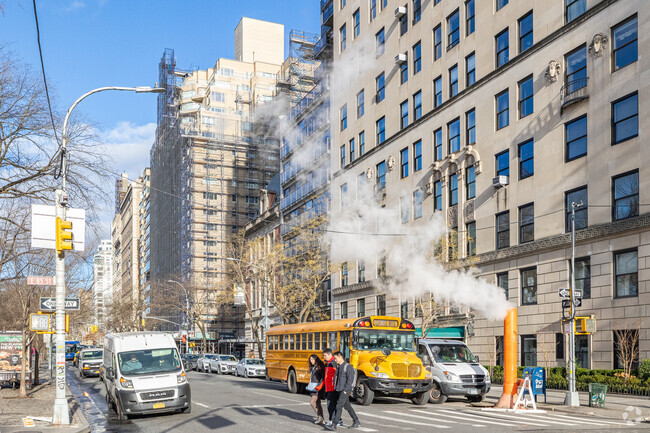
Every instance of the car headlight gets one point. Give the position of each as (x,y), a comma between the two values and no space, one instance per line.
(487,377)
(126,383)
(428,375)
(181,378)
(452,377)
(379,374)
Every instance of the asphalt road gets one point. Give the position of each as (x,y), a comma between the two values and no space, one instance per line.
(239,405)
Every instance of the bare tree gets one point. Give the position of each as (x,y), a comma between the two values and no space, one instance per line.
(626,343)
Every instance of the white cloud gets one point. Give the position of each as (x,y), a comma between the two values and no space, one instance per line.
(75,5)
(128,145)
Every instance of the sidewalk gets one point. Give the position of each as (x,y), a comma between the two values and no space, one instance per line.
(39,403)
(616,406)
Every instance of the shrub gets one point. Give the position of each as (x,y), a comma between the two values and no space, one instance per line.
(644,370)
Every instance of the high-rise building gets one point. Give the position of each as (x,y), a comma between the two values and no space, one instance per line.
(495,118)
(144,241)
(102,288)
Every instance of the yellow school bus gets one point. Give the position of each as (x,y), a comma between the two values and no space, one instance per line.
(381,348)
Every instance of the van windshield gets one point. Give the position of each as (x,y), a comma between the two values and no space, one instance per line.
(149,361)
(91,354)
(371,339)
(456,353)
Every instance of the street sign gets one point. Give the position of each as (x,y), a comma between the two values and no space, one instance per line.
(49,304)
(563,292)
(39,322)
(577,293)
(566,327)
(40,281)
(44,227)
(566,303)
(578,302)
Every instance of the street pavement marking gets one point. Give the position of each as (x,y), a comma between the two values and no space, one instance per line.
(366,429)
(599,422)
(514,418)
(255,406)
(464,415)
(417,416)
(441,420)
(541,418)
(275,396)
(202,405)
(400,420)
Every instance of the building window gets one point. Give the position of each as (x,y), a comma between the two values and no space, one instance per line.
(574,8)
(453,81)
(576,138)
(526,159)
(404,23)
(417,156)
(582,351)
(344,310)
(437,42)
(381,305)
(437,91)
(417,204)
(578,196)
(417,58)
(470,123)
(470,67)
(526,32)
(529,286)
(502,282)
(503,229)
(502,48)
(453,25)
(625,196)
(625,118)
(405,208)
(437,195)
(559,346)
(344,117)
(625,47)
(417,105)
(626,348)
(404,310)
(361,307)
(470,16)
(356,20)
(361,271)
(352,150)
(470,230)
(526,223)
(343,156)
(470,182)
(576,69)
(360,103)
(503,163)
(404,72)
(528,350)
(342,33)
(381,175)
(626,273)
(453,134)
(381,130)
(380,82)
(583,276)
(404,114)
(501,3)
(503,109)
(526,97)
(417,10)
(342,4)
(362,143)
(344,196)
(453,189)
(381,42)
(437,144)
(373,9)
(404,155)
(344,274)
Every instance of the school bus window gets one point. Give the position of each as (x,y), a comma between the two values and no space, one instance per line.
(317,341)
(323,339)
(333,342)
(310,341)
(275,340)
(292,341)
(375,339)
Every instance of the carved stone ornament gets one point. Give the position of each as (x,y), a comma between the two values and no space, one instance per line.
(391,162)
(370,174)
(477,167)
(597,45)
(429,186)
(553,71)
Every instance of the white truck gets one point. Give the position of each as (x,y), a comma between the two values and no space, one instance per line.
(143,374)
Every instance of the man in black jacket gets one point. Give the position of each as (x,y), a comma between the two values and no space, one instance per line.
(344,381)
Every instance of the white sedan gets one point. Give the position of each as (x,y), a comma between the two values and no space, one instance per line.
(251,368)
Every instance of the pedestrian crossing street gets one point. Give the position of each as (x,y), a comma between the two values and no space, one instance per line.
(469,418)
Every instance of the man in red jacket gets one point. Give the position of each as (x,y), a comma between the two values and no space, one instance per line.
(330,389)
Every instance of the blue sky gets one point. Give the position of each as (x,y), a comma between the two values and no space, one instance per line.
(94,43)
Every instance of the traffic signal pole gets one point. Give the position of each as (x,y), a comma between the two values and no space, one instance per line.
(572,397)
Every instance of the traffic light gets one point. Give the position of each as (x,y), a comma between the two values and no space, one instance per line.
(63,235)
(93,328)
(143,322)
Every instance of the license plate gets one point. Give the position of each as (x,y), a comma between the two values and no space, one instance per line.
(408,391)
(158,405)
(473,391)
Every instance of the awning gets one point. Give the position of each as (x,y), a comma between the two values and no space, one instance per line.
(449,332)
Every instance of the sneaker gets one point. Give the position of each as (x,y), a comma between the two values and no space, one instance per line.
(330,427)
(340,424)
(319,420)
(356,424)
(328,423)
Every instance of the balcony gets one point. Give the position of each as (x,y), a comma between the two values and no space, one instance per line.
(327,14)
(573,91)
(323,47)
(306,101)
(325,3)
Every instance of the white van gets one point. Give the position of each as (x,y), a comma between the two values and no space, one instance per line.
(456,371)
(143,373)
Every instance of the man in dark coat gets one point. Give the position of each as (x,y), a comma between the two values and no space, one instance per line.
(344,384)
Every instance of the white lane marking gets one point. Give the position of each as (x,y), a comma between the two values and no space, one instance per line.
(275,396)
(457,415)
(418,416)
(515,418)
(541,418)
(442,420)
(366,429)
(202,405)
(254,406)
(400,420)
(598,422)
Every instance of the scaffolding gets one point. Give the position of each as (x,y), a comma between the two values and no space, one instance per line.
(297,76)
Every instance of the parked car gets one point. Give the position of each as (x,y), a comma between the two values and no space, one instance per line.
(223,364)
(190,361)
(203,361)
(251,368)
(456,371)
(90,361)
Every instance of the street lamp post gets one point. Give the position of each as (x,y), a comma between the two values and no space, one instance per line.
(187,314)
(61,413)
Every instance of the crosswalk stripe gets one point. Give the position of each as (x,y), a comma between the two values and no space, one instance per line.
(541,418)
(400,420)
(419,416)
(457,415)
(440,420)
(366,429)
(598,421)
(514,418)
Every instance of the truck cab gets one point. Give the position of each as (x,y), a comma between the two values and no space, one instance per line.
(143,374)
(455,370)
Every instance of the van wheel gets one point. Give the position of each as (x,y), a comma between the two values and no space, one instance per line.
(435,394)
(420,398)
(120,413)
(475,398)
(363,394)
(292,383)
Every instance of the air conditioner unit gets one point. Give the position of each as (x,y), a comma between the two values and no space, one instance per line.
(500,181)
(400,12)
(400,58)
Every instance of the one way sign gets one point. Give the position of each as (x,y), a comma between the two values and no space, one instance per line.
(49,304)
(563,292)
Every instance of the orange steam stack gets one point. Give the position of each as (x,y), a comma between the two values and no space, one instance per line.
(509,396)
